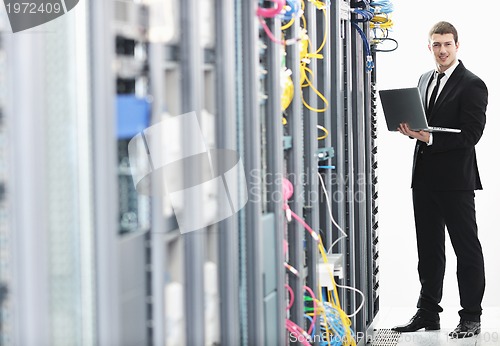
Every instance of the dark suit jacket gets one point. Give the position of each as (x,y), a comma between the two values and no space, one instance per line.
(450,162)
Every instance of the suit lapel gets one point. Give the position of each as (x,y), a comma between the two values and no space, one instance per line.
(426,79)
(452,82)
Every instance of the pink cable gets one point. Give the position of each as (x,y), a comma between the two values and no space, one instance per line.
(292,296)
(287,189)
(271,12)
(269,33)
(297,332)
(313,296)
(306,226)
(287,194)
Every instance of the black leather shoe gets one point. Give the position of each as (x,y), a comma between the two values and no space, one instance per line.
(466,329)
(419,321)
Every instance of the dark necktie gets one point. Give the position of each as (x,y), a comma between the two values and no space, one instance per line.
(432,101)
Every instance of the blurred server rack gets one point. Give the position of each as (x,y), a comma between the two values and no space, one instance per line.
(273,166)
(132,115)
(194,72)
(143,282)
(50,295)
(311,185)
(294,155)
(120,108)
(228,125)
(252,228)
(6,273)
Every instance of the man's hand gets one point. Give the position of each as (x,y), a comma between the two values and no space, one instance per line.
(420,135)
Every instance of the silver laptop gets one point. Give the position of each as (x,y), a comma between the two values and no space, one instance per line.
(405,106)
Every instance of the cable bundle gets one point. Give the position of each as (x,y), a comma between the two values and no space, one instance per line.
(285,10)
(382,6)
(366,47)
(341,330)
(381,24)
(271,12)
(363,12)
(306,74)
(292,10)
(331,324)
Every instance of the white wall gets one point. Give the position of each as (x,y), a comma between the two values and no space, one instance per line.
(478,37)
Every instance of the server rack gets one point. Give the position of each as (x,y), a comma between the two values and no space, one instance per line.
(154,285)
(50,291)
(6,274)
(352,121)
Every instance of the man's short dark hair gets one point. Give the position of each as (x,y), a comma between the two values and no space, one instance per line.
(442,28)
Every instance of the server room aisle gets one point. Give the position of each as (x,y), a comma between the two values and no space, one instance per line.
(390,317)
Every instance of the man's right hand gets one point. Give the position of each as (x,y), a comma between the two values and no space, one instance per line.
(420,135)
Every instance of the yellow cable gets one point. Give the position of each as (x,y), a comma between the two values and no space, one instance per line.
(325,34)
(336,302)
(381,21)
(288,93)
(305,57)
(325,131)
(309,84)
(288,25)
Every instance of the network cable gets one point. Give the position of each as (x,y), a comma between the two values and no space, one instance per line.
(369,60)
(364,15)
(299,334)
(381,24)
(313,319)
(271,12)
(384,6)
(306,74)
(332,219)
(287,193)
(344,235)
(292,10)
(325,132)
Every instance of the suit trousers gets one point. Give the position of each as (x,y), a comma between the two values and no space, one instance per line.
(433,211)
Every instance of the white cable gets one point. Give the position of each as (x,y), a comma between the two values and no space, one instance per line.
(357,291)
(335,242)
(330,212)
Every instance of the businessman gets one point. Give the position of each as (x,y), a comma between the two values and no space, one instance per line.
(445,176)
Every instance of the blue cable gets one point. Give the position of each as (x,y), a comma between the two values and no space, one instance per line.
(293,11)
(334,324)
(366,15)
(385,6)
(312,322)
(369,60)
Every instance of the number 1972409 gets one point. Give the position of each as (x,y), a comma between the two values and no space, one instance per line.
(33,8)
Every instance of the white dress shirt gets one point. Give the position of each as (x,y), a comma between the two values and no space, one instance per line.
(443,81)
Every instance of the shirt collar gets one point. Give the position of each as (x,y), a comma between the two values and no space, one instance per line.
(449,71)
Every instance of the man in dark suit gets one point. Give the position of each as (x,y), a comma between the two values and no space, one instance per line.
(445,176)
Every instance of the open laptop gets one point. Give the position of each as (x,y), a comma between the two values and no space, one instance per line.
(405,106)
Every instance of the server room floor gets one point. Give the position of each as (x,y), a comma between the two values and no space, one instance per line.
(390,317)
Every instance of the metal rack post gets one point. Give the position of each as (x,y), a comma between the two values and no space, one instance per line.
(249,64)
(226,129)
(191,55)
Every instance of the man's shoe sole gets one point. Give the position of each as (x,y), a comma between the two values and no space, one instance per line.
(433,328)
(428,328)
(463,335)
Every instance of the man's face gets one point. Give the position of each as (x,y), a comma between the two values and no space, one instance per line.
(444,49)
